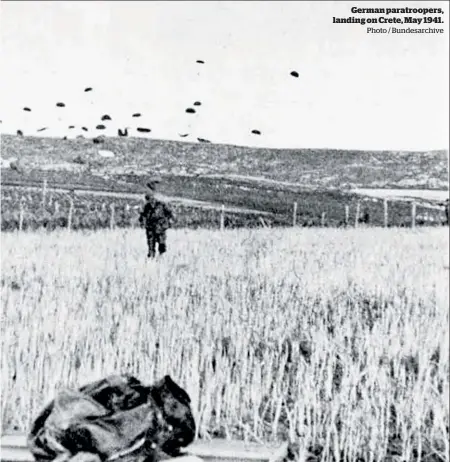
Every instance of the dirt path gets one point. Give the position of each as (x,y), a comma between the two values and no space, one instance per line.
(427,198)
(409,194)
(173,199)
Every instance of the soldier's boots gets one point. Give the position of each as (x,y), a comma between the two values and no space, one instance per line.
(162,248)
(151,250)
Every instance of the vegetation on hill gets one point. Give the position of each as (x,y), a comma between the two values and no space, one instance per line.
(324,168)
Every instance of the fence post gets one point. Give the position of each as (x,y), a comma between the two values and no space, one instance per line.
(294,214)
(21,217)
(111,223)
(347,214)
(385,212)
(413,214)
(56,205)
(322,219)
(44,192)
(69,220)
(222,218)
(358,209)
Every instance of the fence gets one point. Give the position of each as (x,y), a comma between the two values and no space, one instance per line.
(124,214)
(127,214)
(437,219)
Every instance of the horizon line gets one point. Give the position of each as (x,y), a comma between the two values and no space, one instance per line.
(116,137)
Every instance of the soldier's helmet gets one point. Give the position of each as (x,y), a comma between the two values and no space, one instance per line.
(153,183)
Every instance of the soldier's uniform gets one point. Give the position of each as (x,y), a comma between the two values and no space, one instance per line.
(157,217)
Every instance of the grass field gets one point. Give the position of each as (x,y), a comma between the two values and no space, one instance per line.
(334,339)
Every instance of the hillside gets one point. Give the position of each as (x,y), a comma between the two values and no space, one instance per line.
(252,184)
(311,168)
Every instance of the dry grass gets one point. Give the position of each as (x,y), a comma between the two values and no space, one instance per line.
(335,339)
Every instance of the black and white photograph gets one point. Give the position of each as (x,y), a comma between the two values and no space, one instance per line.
(224,231)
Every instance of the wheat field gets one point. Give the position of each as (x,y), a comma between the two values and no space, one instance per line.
(336,340)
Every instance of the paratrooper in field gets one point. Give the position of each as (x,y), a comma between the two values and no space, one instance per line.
(157,217)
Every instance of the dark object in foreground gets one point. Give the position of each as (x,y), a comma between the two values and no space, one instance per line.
(294,74)
(13,449)
(117,418)
(143,130)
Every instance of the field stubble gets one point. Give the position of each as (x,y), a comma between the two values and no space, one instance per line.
(335,339)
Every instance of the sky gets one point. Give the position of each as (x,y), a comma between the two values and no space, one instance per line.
(355,90)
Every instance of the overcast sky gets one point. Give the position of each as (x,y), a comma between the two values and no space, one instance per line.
(355,90)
